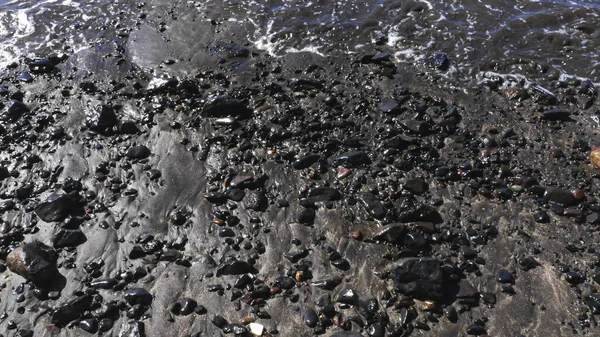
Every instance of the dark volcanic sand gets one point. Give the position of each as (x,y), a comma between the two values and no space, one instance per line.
(457,218)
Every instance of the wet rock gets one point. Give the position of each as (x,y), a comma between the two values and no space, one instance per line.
(15,109)
(34,261)
(137,296)
(71,310)
(132,329)
(399,142)
(105,324)
(351,160)
(101,119)
(560,196)
(438,61)
(89,325)
(322,194)
(311,319)
(421,278)
(68,238)
(41,66)
(224,106)
(234,194)
(373,206)
(58,207)
(556,115)
(347,296)
(476,330)
(25,77)
(242,181)
(138,152)
(307,216)
(390,106)
(305,162)
(232,266)
(504,276)
(392,233)
(329,284)
(416,185)
(105,283)
(411,210)
(414,241)
(184,307)
(302,84)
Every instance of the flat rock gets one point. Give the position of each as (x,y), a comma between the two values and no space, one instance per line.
(58,207)
(101,119)
(421,278)
(68,238)
(225,105)
(138,152)
(71,310)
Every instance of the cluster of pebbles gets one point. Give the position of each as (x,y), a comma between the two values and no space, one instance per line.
(265,196)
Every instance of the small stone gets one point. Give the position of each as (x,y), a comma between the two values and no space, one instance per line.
(138,152)
(476,330)
(58,207)
(256,329)
(421,278)
(504,276)
(310,318)
(137,296)
(595,157)
(71,310)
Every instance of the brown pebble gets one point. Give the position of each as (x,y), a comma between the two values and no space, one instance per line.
(356,235)
(595,157)
(343,172)
(219,222)
(578,194)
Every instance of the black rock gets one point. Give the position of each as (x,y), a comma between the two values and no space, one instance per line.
(101,119)
(421,278)
(416,185)
(105,283)
(89,325)
(573,277)
(138,152)
(232,266)
(41,66)
(451,314)
(322,194)
(307,216)
(234,194)
(105,324)
(476,330)
(71,310)
(390,106)
(559,195)
(438,61)
(68,238)
(541,217)
(346,334)
(15,109)
(376,330)
(219,321)
(504,276)
(25,77)
(399,142)
(411,210)
(347,296)
(58,207)
(351,160)
(137,296)
(392,233)
(310,318)
(373,206)
(34,261)
(223,106)
(184,307)
(556,115)
(489,298)
(414,241)
(300,84)
(305,162)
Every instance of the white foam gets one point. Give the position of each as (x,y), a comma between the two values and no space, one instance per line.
(307,49)
(25,25)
